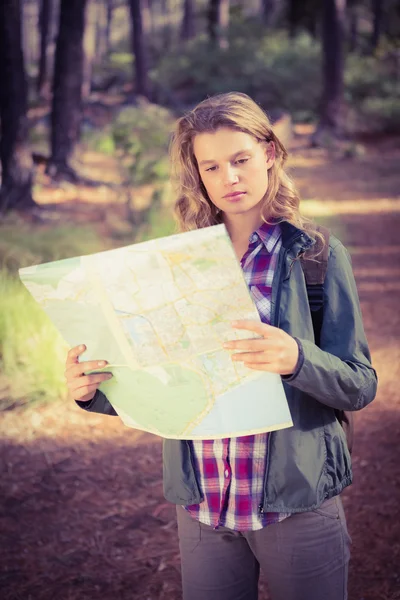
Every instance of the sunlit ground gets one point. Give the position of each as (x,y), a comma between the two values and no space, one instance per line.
(357,206)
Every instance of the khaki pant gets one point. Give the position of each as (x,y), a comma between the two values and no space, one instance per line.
(305,557)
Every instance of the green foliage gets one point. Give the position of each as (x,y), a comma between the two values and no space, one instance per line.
(277,72)
(39,137)
(122,59)
(114,71)
(21,246)
(381,114)
(280,74)
(372,89)
(160,221)
(141,137)
(370,76)
(31,351)
(99,140)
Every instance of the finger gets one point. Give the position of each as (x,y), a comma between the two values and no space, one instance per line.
(74,353)
(86,397)
(270,367)
(78,369)
(252,357)
(256,326)
(84,393)
(87,380)
(252,345)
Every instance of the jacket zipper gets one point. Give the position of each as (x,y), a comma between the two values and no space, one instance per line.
(275,323)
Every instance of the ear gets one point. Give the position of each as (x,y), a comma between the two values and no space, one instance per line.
(270,153)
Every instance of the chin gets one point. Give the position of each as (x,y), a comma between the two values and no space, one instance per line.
(236,210)
(240,207)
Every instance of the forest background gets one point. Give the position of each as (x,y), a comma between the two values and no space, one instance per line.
(89,90)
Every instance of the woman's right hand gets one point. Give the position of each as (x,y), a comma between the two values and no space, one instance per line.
(83,387)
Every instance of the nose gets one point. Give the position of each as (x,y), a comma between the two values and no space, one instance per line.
(230,175)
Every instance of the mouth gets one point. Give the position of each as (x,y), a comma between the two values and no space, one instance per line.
(234,196)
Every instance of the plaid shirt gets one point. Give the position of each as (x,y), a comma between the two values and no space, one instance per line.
(231,471)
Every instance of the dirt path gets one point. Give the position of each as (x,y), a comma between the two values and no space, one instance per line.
(82,513)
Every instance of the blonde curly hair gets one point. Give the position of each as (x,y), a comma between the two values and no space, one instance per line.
(193,208)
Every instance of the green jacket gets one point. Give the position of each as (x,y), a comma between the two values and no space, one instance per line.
(308,462)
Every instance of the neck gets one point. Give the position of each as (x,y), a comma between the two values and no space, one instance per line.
(240,227)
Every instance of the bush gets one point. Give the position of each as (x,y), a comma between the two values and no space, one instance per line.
(22,246)
(160,220)
(372,91)
(141,138)
(279,73)
(381,115)
(370,76)
(99,140)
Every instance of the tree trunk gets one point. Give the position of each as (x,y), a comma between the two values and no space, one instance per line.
(353,29)
(139,49)
(103,29)
(44,27)
(110,10)
(89,45)
(294,16)
(377,6)
(312,17)
(147,24)
(188,30)
(30,33)
(218,22)
(15,156)
(303,15)
(212,19)
(268,11)
(167,30)
(271,11)
(67,87)
(332,66)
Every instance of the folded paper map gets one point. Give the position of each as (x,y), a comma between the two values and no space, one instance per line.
(159,312)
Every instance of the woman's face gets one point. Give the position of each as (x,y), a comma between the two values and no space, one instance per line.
(233,167)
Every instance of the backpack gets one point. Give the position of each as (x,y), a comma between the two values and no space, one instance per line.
(314,273)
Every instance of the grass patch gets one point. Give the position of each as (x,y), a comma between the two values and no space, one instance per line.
(22,245)
(160,219)
(32,353)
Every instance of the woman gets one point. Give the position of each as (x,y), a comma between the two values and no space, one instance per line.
(269,500)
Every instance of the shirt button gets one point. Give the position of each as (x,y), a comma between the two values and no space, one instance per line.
(226,473)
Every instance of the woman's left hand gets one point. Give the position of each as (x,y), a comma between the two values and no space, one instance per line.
(274,351)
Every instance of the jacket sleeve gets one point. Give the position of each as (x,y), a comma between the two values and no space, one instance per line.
(339,374)
(99,404)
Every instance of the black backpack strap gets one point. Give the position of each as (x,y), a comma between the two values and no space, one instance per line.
(314,263)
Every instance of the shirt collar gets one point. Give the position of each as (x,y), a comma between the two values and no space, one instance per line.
(269,234)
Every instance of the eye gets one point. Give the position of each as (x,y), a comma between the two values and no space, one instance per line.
(214,168)
(241,161)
